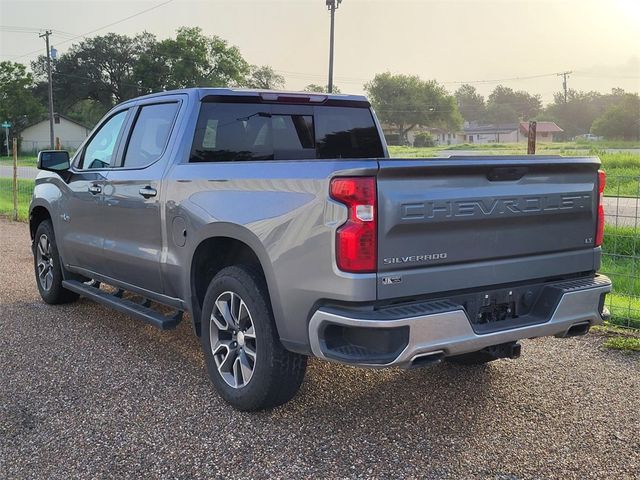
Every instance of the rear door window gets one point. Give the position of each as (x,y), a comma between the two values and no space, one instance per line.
(150,134)
(228,132)
(249,132)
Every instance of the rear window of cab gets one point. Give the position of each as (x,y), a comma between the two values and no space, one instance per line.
(228,132)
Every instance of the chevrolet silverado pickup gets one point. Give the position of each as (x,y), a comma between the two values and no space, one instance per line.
(279,223)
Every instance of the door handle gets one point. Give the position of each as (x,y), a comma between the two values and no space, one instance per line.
(95,189)
(148,192)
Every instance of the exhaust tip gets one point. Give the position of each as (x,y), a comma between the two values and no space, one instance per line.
(424,359)
(578,329)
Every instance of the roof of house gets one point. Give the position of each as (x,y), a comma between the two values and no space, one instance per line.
(491,128)
(542,127)
(68,119)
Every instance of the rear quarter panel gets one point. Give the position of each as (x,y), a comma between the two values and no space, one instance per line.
(282,211)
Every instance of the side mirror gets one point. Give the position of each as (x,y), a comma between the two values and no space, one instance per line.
(53,160)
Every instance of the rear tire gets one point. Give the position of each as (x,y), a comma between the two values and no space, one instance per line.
(48,267)
(245,360)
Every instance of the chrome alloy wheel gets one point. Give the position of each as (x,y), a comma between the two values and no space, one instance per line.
(233,339)
(44,261)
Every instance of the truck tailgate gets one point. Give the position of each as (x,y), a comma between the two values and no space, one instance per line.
(447,224)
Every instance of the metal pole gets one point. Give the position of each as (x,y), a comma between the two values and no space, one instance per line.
(15,179)
(6,132)
(51,136)
(564,76)
(332,5)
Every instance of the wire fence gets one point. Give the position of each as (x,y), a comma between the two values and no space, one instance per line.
(16,188)
(621,248)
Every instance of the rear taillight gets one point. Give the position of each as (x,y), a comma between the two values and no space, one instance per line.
(602,180)
(357,238)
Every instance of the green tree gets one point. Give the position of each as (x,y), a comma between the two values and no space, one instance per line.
(101,68)
(470,104)
(18,105)
(621,120)
(314,87)
(508,106)
(193,59)
(577,115)
(265,77)
(112,68)
(406,101)
(87,112)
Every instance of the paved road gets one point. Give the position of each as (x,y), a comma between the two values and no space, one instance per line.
(622,211)
(497,151)
(86,392)
(23,172)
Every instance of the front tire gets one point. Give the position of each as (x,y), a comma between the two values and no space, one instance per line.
(246,362)
(48,267)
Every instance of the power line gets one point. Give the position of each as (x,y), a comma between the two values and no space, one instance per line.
(21,29)
(118,21)
(303,75)
(100,28)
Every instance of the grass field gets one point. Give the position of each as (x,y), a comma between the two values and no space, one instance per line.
(623,168)
(621,262)
(22,161)
(518,148)
(25,188)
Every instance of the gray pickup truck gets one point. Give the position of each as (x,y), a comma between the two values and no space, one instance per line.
(280,224)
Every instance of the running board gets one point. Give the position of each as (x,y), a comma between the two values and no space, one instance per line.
(115,301)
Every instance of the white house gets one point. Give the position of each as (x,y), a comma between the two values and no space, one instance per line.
(69,132)
(489,134)
(474,133)
(510,133)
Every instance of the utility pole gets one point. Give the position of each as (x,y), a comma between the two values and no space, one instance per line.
(564,76)
(332,5)
(46,35)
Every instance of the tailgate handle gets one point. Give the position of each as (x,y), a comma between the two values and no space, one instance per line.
(505,174)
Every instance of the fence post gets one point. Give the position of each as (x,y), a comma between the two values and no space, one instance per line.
(15,179)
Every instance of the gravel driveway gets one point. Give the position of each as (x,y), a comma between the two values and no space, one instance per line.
(86,392)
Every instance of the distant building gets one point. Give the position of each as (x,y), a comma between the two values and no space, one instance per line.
(508,133)
(544,131)
(474,133)
(36,137)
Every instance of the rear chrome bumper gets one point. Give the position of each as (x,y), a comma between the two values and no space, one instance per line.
(447,331)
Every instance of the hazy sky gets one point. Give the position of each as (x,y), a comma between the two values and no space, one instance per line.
(450,41)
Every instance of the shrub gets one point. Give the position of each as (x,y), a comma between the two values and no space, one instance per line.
(424,139)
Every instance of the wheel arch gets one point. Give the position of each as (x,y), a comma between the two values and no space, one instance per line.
(37,214)
(222,245)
